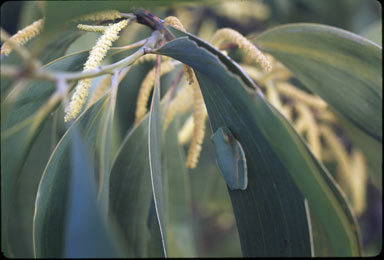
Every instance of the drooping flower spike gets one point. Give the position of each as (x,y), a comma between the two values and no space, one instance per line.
(147,86)
(227,34)
(23,36)
(95,57)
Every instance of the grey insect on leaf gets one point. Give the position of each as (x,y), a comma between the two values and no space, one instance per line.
(230,158)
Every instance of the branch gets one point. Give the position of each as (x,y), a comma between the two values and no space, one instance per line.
(38,73)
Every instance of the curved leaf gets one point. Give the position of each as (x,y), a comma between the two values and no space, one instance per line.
(66,208)
(130,193)
(154,147)
(275,154)
(270,213)
(21,123)
(341,67)
(177,196)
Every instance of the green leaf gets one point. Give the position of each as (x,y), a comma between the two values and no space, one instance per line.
(83,213)
(341,67)
(48,49)
(105,142)
(270,213)
(372,149)
(180,242)
(20,213)
(66,208)
(130,194)
(275,154)
(20,124)
(373,32)
(154,146)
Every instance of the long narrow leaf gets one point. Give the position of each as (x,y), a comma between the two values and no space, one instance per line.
(269,143)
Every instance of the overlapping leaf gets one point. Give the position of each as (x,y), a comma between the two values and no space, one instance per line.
(341,67)
(66,207)
(275,154)
(22,121)
(270,214)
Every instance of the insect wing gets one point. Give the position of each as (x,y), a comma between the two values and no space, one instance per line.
(230,159)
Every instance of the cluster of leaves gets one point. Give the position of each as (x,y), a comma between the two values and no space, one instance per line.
(102,187)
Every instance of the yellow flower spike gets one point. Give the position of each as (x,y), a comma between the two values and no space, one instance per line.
(281,74)
(23,36)
(327,116)
(188,74)
(150,57)
(186,132)
(78,99)
(147,86)
(100,16)
(199,117)
(301,125)
(358,181)
(227,34)
(91,28)
(179,105)
(338,150)
(253,72)
(273,96)
(287,112)
(175,22)
(95,57)
(312,129)
(289,90)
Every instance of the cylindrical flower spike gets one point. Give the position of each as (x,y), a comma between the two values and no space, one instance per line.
(339,152)
(186,132)
(199,117)
(291,91)
(179,105)
(147,86)
(358,181)
(227,34)
(95,57)
(100,16)
(92,28)
(23,36)
(311,127)
(175,22)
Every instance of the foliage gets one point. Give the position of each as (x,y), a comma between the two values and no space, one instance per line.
(288,165)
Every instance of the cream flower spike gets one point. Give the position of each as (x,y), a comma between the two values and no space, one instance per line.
(311,127)
(95,57)
(186,132)
(23,36)
(179,105)
(99,16)
(199,118)
(340,154)
(227,34)
(291,91)
(358,181)
(147,86)
(175,22)
(199,110)
(92,28)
